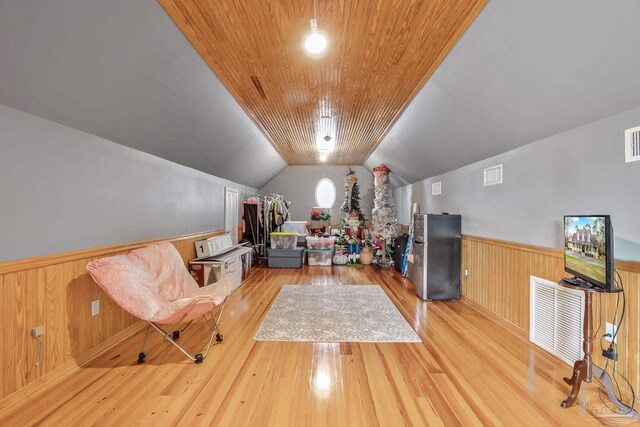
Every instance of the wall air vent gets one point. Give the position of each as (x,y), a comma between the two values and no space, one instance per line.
(493,175)
(555,319)
(258,85)
(632,144)
(436,188)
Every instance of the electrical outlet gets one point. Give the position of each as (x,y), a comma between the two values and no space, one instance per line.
(611,330)
(37,331)
(95,308)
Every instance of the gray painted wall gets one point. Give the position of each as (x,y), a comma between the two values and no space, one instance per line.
(523,71)
(402,199)
(62,189)
(122,70)
(298,185)
(581,171)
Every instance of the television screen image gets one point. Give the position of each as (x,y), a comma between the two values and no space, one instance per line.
(588,249)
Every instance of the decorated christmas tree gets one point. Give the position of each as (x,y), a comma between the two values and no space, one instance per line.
(351,206)
(383,217)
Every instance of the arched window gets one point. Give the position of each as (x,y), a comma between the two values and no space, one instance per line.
(325,193)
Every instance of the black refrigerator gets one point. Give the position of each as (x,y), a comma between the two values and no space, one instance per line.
(435,270)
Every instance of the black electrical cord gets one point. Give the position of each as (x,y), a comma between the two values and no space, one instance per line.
(599,321)
(606,365)
(614,348)
(633,393)
(624,304)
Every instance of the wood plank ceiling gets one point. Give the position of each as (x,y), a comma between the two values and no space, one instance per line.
(380,54)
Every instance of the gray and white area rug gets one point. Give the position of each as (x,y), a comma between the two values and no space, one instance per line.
(336,313)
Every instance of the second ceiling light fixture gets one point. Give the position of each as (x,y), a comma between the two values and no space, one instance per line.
(315,43)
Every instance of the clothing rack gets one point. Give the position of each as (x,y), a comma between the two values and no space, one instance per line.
(266,204)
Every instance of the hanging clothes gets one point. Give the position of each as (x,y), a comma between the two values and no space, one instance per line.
(261,216)
(255,200)
(250,223)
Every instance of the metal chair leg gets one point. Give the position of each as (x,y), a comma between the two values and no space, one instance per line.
(216,322)
(172,336)
(141,355)
(166,335)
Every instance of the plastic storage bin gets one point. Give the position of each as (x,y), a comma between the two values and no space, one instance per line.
(298,227)
(320,257)
(285,258)
(284,240)
(319,243)
(341,249)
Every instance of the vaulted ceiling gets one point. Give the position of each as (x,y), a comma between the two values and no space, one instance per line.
(523,71)
(380,54)
(123,70)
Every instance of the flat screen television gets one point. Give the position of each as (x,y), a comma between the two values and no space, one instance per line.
(588,249)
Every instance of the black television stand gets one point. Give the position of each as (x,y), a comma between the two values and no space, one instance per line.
(584,369)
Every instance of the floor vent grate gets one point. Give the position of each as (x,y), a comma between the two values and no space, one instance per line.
(555,319)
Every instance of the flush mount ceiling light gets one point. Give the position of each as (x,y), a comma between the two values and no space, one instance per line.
(325,145)
(324,157)
(315,43)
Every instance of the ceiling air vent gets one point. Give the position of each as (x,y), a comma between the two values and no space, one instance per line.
(436,188)
(632,144)
(258,85)
(493,175)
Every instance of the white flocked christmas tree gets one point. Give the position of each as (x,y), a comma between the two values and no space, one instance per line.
(383,216)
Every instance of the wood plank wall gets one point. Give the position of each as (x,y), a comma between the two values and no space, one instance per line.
(56,291)
(499,278)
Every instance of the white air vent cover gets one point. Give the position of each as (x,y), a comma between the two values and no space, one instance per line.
(436,188)
(493,175)
(555,319)
(632,144)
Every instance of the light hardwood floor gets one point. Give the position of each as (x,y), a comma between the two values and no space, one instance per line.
(469,370)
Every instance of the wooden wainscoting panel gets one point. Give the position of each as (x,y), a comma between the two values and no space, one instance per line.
(45,260)
(499,277)
(467,371)
(3,340)
(56,291)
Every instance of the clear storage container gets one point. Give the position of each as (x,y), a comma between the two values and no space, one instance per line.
(284,240)
(299,227)
(320,243)
(341,249)
(320,257)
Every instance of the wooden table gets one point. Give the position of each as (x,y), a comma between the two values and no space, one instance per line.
(584,369)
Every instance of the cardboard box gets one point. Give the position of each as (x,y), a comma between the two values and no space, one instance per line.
(206,273)
(213,246)
(229,269)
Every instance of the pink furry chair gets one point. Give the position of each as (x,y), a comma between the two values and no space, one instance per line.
(153,284)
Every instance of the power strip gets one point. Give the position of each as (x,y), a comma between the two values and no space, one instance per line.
(610,354)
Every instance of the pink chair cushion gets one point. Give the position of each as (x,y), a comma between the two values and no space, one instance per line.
(152,284)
